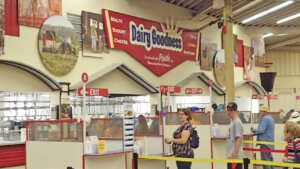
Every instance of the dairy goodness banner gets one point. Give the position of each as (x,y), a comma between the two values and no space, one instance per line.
(159,47)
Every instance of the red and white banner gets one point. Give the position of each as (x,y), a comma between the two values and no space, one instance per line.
(93,92)
(258,96)
(164,89)
(272,97)
(193,91)
(159,47)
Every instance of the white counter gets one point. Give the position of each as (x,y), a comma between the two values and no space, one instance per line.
(8,143)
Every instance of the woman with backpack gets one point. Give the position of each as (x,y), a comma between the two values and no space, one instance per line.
(181,139)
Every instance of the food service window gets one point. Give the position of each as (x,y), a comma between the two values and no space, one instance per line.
(98,106)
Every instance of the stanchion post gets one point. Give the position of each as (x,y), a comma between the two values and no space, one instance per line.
(246,163)
(135,160)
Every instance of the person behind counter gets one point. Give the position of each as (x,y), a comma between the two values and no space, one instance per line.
(181,145)
(142,126)
(154,127)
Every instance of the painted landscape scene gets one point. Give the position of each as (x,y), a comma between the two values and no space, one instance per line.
(58,45)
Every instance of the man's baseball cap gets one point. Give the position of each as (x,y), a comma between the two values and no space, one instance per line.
(232,106)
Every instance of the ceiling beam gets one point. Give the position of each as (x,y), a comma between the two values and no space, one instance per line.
(186,3)
(207,5)
(286,48)
(246,7)
(283,43)
(194,4)
(179,2)
(254,30)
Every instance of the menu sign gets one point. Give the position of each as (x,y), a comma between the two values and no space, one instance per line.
(157,46)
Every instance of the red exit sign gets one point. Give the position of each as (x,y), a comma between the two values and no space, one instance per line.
(193,91)
(164,89)
(93,92)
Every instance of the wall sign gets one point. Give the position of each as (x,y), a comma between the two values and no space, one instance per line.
(34,13)
(93,92)
(157,46)
(193,91)
(258,96)
(164,89)
(93,39)
(58,45)
(219,67)
(2,26)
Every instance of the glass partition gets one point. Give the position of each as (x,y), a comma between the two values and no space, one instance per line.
(106,128)
(111,107)
(56,130)
(199,118)
(276,117)
(108,131)
(148,126)
(220,117)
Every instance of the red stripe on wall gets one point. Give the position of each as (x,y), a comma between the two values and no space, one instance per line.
(11,18)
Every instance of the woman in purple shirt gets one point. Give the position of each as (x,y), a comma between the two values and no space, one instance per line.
(181,139)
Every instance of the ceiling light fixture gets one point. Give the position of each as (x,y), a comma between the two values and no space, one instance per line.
(288,18)
(267,35)
(282,34)
(261,14)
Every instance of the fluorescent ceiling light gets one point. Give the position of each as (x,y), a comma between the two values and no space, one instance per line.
(267,35)
(288,18)
(282,34)
(261,14)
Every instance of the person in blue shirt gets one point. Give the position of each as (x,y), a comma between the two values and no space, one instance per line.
(265,132)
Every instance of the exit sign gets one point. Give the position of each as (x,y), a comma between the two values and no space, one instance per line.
(164,89)
(193,91)
(93,92)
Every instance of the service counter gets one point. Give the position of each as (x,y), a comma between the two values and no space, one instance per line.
(11,143)
(119,159)
(56,143)
(12,153)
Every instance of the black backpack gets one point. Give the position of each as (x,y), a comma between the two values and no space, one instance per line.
(194,138)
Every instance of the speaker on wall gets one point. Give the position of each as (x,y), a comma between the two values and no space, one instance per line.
(267,80)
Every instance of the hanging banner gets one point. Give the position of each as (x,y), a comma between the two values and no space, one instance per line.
(159,47)
(272,97)
(258,96)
